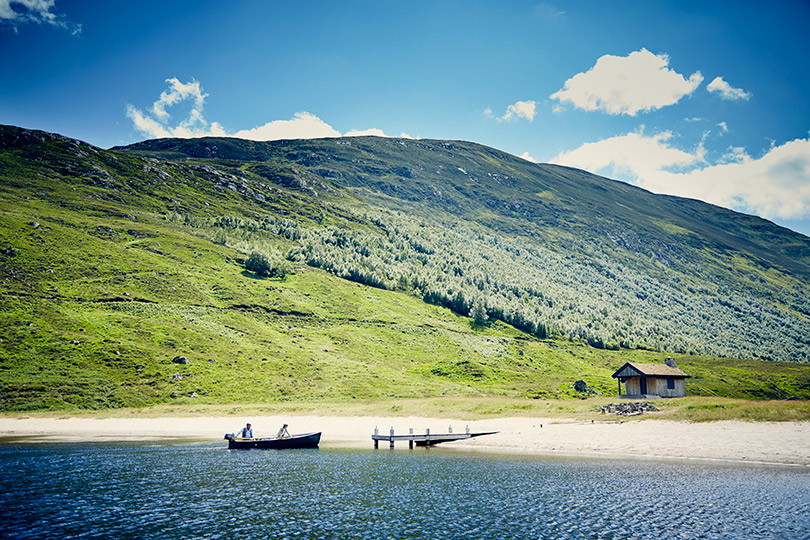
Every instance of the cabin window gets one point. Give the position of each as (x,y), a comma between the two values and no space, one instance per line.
(670,384)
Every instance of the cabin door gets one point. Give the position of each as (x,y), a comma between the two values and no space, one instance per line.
(643,385)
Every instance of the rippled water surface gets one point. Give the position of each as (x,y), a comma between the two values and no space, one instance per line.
(173,491)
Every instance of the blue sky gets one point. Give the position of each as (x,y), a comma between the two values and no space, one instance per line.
(707,100)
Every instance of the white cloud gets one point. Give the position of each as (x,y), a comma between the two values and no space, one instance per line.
(303,125)
(723,127)
(734,154)
(146,124)
(177,93)
(157,125)
(520,109)
(157,121)
(362,133)
(776,185)
(18,12)
(527,157)
(640,81)
(726,91)
(633,153)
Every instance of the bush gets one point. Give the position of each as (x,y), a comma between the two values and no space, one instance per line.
(220,237)
(262,265)
(259,263)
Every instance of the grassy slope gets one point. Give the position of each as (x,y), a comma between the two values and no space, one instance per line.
(555,203)
(740,283)
(106,289)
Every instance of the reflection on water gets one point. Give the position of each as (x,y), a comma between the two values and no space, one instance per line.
(205,491)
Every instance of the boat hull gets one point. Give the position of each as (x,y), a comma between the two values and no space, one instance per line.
(306,440)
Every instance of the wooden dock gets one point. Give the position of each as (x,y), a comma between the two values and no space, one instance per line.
(425,439)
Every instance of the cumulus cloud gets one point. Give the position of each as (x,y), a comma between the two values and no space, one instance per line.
(303,125)
(363,132)
(726,91)
(16,13)
(775,185)
(633,153)
(734,154)
(176,93)
(527,157)
(627,85)
(520,109)
(157,122)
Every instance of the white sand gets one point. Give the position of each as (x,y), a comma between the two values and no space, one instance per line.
(758,442)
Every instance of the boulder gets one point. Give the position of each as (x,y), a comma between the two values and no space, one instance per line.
(180,360)
(629,409)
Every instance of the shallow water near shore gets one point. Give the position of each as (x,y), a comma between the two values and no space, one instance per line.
(203,490)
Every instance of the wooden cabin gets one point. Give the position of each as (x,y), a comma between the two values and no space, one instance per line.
(651,380)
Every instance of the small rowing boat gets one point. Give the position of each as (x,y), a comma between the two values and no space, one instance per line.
(304,440)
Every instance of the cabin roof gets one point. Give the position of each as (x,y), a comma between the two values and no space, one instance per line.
(636,369)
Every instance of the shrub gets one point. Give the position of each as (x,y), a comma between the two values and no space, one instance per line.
(259,263)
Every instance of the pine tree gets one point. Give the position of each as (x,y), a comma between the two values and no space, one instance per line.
(478,313)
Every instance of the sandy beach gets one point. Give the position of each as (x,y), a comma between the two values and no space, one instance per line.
(786,443)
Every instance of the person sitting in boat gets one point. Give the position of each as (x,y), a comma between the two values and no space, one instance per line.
(246,432)
(283,432)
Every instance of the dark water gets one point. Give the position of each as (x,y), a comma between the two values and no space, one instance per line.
(171,491)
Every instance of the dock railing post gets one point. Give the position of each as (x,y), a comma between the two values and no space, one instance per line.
(427,437)
(449,429)
(391,439)
(410,441)
(468,430)
(376,442)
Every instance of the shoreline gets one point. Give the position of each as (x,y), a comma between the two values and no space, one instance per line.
(726,441)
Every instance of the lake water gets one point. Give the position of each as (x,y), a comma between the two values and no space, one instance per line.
(202,490)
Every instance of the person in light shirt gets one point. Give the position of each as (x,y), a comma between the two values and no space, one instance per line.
(246,432)
(283,432)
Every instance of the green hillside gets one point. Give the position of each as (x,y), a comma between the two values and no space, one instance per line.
(125,279)
(554,251)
